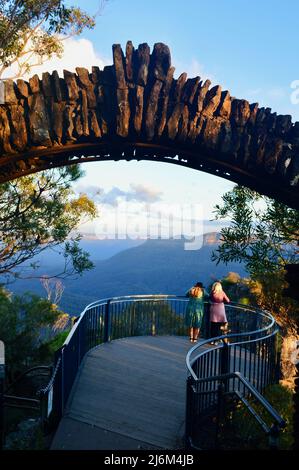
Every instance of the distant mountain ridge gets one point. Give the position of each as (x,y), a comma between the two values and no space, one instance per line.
(152,267)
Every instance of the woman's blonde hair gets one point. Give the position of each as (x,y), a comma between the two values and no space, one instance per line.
(196,291)
(216,288)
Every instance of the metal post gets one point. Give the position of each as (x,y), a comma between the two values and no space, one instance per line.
(225,362)
(153,329)
(274,437)
(2,378)
(62,381)
(207,323)
(43,409)
(220,412)
(107,322)
(79,344)
(188,424)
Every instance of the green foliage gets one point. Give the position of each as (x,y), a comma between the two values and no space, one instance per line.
(22,319)
(32,31)
(243,431)
(47,349)
(147,318)
(38,212)
(264,235)
(26,433)
(58,341)
(238,289)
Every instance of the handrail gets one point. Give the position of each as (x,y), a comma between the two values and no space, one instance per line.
(141,297)
(219,346)
(112,300)
(104,301)
(243,364)
(263,401)
(273,431)
(280,421)
(23,399)
(21,376)
(51,381)
(251,410)
(115,317)
(218,338)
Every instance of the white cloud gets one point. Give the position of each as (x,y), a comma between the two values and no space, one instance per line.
(140,192)
(295,113)
(253,93)
(276,92)
(137,192)
(193,69)
(77,53)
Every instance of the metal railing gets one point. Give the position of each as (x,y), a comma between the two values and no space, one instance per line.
(39,371)
(20,401)
(103,321)
(252,330)
(242,364)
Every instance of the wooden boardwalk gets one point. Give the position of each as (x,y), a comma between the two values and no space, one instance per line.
(129,394)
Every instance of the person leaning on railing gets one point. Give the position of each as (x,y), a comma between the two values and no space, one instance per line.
(219,324)
(195,310)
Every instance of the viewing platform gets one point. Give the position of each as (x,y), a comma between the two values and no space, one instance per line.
(129,394)
(127,376)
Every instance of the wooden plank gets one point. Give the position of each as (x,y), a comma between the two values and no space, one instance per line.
(134,387)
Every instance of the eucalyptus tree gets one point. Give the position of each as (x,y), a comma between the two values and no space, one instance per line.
(33,31)
(263,234)
(43,212)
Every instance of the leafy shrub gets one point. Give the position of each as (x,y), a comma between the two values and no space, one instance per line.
(243,432)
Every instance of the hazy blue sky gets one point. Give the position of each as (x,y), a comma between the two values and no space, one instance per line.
(248,47)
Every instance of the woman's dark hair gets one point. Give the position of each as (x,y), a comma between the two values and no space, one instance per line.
(199,284)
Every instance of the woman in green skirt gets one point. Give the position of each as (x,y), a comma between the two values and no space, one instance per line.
(195,310)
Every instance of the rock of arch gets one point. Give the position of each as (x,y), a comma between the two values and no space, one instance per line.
(136,109)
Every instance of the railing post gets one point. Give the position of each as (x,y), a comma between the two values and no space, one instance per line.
(107,322)
(220,412)
(207,323)
(153,328)
(189,403)
(225,363)
(79,343)
(274,437)
(62,381)
(43,409)
(2,379)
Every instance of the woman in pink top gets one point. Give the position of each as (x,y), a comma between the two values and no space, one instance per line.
(217,311)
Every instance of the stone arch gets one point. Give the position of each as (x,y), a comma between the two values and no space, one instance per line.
(136,109)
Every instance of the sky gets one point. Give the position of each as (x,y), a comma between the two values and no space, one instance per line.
(248,47)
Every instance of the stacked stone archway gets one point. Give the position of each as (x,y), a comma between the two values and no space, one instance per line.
(136,109)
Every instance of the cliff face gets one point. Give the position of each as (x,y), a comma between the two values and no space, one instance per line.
(211,238)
